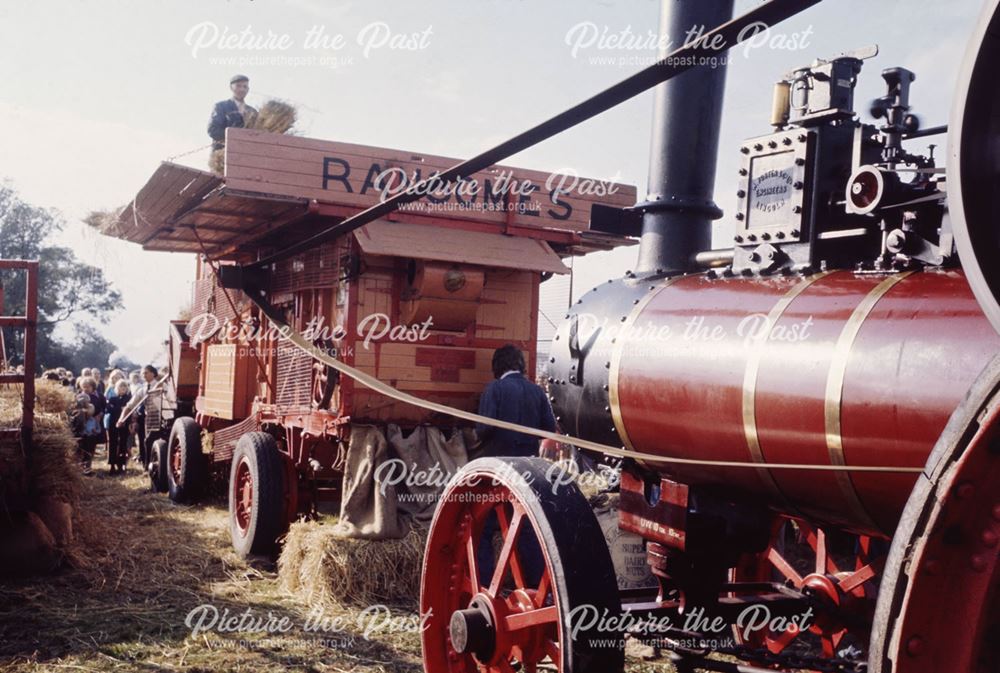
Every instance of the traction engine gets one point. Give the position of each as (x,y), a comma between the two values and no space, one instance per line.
(808,415)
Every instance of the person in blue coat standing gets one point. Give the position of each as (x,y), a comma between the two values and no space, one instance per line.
(231,112)
(514,398)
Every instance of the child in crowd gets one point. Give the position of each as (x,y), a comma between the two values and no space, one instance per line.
(95,433)
(118,448)
(86,429)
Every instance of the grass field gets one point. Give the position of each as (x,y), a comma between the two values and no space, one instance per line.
(143,564)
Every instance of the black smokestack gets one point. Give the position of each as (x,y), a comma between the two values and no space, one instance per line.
(687,111)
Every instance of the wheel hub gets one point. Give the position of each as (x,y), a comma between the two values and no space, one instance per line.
(473,630)
(243,496)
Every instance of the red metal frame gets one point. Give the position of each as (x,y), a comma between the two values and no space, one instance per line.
(29,323)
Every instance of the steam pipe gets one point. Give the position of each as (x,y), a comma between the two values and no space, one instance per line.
(687,112)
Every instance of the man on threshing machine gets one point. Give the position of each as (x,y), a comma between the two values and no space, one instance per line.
(232,112)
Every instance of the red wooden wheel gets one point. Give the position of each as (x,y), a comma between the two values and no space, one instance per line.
(842,585)
(526,612)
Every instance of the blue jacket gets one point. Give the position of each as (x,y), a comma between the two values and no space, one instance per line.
(225,114)
(515,399)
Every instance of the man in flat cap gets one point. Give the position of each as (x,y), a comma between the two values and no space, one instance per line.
(231,112)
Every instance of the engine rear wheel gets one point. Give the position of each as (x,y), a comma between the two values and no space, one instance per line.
(938,606)
(974,163)
(532,609)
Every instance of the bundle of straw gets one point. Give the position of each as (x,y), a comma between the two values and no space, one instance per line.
(326,568)
(274,116)
(104,221)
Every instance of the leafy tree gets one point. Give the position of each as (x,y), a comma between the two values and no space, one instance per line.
(69,291)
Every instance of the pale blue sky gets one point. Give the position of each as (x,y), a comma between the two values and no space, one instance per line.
(94,94)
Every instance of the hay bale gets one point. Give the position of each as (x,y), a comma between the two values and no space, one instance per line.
(38,488)
(324,567)
(53,470)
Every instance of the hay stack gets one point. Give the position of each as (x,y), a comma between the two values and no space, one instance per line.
(324,567)
(52,397)
(47,481)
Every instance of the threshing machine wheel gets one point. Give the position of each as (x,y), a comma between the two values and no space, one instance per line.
(256,495)
(185,466)
(158,466)
(541,600)
(939,606)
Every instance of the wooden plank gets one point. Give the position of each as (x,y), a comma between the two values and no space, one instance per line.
(400,239)
(342,173)
(303,164)
(264,144)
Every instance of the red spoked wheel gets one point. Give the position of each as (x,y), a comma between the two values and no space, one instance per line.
(843,587)
(547,604)
(939,607)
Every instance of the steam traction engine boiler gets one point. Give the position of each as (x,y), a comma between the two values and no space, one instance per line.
(808,417)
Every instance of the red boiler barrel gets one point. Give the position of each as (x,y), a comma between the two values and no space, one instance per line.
(835,368)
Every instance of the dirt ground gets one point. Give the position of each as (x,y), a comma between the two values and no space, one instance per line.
(145,564)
